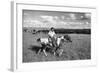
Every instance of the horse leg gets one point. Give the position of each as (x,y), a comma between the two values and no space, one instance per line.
(39,51)
(61,51)
(44,52)
(53,52)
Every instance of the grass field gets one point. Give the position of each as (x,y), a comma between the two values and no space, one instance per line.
(79,49)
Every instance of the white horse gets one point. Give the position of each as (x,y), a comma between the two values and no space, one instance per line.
(43,42)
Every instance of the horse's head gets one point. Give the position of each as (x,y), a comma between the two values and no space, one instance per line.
(67,38)
(38,40)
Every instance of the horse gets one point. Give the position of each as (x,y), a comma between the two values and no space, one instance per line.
(45,43)
(60,40)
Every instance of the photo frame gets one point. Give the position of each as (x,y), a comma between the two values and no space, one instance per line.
(76,16)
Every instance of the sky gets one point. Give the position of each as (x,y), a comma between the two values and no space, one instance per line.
(56,19)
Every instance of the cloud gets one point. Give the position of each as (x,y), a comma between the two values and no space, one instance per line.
(63,17)
(60,21)
(56,18)
(49,19)
(72,16)
(33,23)
(36,22)
(25,14)
(87,15)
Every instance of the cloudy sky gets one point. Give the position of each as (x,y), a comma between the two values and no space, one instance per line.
(33,18)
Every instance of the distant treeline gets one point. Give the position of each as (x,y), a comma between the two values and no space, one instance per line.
(60,31)
(64,31)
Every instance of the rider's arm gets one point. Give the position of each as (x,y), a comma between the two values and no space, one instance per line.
(49,34)
(54,34)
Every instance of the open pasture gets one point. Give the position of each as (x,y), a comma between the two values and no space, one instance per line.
(79,49)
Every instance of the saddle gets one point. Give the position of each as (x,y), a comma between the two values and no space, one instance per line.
(53,41)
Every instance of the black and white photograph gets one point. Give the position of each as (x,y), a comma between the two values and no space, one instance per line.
(55,36)
(46,36)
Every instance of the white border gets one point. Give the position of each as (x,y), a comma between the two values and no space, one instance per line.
(17,34)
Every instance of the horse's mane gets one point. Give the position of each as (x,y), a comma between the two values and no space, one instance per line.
(59,36)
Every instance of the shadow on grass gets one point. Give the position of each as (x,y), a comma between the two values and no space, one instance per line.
(35,48)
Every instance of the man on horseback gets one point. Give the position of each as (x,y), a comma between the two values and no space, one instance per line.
(52,37)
